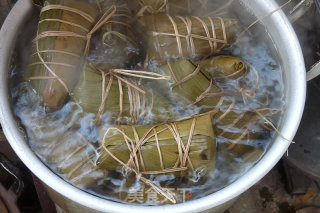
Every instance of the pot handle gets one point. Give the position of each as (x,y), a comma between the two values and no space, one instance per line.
(295,13)
(314,72)
(299,10)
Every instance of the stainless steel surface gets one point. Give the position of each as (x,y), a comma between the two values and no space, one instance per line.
(291,58)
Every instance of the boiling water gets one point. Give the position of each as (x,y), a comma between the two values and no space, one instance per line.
(67,140)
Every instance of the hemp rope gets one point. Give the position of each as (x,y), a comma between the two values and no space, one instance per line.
(246,93)
(191,48)
(105,17)
(226,112)
(133,162)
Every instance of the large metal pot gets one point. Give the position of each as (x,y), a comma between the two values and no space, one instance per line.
(75,200)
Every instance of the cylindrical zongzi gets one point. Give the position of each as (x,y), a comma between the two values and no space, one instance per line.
(58,48)
(176,37)
(190,82)
(157,149)
(115,45)
(74,156)
(235,126)
(122,99)
(224,67)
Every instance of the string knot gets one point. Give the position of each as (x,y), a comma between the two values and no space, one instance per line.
(246,93)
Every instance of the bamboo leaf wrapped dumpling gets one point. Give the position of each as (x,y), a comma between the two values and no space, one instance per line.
(175,37)
(183,144)
(238,126)
(74,157)
(115,45)
(232,122)
(180,7)
(60,146)
(199,82)
(224,67)
(58,48)
(235,157)
(176,148)
(187,80)
(122,99)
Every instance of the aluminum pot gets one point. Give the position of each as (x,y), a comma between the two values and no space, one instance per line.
(73,199)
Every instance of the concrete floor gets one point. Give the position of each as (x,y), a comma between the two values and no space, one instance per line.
(270,196)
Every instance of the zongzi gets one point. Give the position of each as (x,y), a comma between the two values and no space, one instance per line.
(176,37)
(245,152)
(224,67)
(122,99)
(237,125)
(115,45)
(189,81)
(157,149)
(174,148)
(58,48)
(74,156)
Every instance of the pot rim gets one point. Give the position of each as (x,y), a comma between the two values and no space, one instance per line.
(18,141)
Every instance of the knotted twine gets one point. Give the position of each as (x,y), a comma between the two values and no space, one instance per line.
(136,158)
(105,17)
